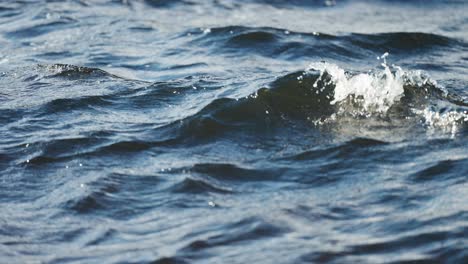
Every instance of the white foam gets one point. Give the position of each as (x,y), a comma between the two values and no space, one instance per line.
(375,91)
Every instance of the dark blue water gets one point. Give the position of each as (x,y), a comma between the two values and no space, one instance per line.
(218,131)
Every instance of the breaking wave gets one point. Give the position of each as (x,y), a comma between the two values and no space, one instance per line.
(325,94)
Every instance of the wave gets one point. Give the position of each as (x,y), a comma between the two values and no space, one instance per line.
(371,105)
(282,43)
(111,189)
(325,94)
(194,186)
(246,230)
(230,172)
(442,170)
(42,29)
(73,72)
(402,41)
(353,146)
(407,243)
(164,3)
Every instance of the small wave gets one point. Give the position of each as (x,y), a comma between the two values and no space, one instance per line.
(103,237)
(41,29)
(352,146)
(166,3)
(88,204)
(192,185)
(444,169)
(126,146)
(397,42)
(244,231)
(283,43)
(252,38)
(275,42)
(170,260)
(113,194)
(67,104)
(231,172)
(63,149)
(75,72)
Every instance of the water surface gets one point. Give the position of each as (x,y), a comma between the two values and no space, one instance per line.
(190,131)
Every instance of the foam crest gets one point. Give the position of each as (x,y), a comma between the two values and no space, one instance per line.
(413,93)
(373,91)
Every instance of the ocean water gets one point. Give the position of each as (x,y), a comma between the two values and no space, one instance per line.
(221,131)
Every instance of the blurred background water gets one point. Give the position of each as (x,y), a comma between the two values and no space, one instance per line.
(219,131)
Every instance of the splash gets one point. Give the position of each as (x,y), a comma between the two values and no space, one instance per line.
(374,92)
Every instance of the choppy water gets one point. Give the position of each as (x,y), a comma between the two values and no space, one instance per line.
(224,131)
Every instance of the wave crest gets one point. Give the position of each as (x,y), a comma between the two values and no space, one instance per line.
(324,93)
(373,92)
(387,91)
